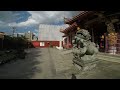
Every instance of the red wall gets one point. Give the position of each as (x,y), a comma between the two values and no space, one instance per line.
(47,43)
(36,43)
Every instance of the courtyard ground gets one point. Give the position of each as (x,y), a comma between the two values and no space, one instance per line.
(51,63)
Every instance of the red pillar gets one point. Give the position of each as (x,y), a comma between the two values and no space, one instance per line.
(67,45)
(106,42)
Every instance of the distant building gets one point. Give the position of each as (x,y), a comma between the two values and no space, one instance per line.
(19,34)
(2,35)
(29,35)
(34,37)
(49,35)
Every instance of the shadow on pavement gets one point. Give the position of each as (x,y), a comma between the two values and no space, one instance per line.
(24,68)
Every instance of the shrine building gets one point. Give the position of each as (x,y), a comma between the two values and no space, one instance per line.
(104,28)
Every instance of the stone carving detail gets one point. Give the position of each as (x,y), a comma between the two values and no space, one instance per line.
(84,50)
(110,26)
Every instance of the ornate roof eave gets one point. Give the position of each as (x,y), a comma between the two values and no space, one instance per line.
(64,35)
(74,25)
(79,16)
(61,30)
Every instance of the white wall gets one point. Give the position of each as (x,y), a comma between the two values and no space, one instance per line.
(50,32)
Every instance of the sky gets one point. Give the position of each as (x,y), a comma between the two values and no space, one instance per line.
(25,21)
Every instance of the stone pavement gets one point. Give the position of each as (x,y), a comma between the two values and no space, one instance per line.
(106,69)
(51,63)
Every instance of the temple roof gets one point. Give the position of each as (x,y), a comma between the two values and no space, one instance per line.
(71,27)
(64,35)
(79,16)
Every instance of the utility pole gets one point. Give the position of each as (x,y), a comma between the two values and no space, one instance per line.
(14,28)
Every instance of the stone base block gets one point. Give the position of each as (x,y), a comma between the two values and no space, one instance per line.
(85,66)
(89,67)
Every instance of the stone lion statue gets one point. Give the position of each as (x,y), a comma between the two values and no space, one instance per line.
(83,49)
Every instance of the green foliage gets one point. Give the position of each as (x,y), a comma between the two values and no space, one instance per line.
(14,42)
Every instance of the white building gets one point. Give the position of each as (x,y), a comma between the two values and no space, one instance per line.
(50,33)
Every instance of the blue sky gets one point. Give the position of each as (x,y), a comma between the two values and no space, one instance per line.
(30,20)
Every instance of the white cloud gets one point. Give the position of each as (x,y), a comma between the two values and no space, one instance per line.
(3,24)
(7,18)
(45,17)
(29,22)
(51,16)
(37,17)
(36,30)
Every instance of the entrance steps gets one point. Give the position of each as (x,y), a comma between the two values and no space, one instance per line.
(100,56)
(109,57)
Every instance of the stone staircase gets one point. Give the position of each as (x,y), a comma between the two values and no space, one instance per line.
(109,57)
(100,56)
